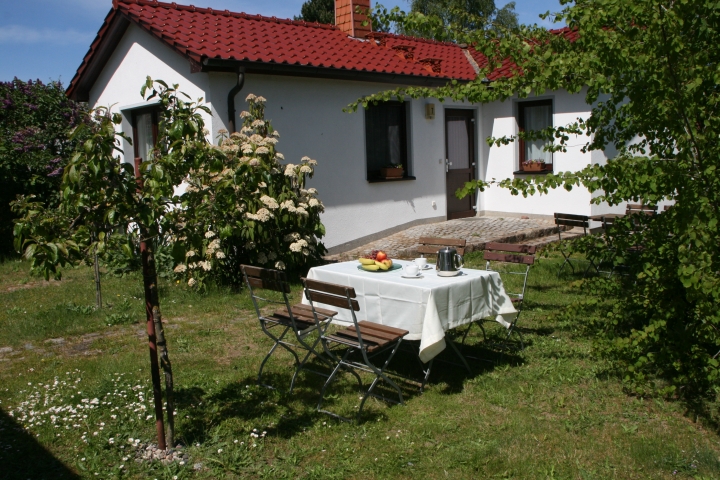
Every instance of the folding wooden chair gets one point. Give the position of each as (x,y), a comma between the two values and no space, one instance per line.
(570,220)
(430,245)
(300,320)
(518,262)
(366,337)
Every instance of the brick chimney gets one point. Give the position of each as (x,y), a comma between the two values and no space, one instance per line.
(349,21)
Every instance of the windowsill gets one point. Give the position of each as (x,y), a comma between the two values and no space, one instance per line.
(390,180)
(539,172)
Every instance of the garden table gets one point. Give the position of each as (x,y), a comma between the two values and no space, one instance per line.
(426,306)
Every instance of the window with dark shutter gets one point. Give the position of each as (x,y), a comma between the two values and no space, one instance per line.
(386,138)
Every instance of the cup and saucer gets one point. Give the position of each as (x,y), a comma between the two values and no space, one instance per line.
(422,264)
(411,270)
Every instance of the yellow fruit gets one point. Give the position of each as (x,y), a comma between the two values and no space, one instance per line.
(382,265)
(371,268)
(366,261)
(388,262)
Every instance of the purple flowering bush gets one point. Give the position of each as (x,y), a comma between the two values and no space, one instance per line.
(36,120)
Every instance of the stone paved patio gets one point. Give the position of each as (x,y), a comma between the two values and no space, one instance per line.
(475,230)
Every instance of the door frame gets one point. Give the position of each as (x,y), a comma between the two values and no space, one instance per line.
(472,140)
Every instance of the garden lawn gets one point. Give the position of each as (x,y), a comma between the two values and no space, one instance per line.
(75,397)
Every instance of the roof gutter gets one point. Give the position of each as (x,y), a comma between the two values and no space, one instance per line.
(231,100)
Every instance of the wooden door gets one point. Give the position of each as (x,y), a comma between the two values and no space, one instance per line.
(459,161)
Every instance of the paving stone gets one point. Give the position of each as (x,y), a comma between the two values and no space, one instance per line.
(55,341)
(476,231)
(6,349)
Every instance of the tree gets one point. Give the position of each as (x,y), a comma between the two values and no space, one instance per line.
(97,185)
(443,20)
(35,124)
(649,69)
(320,11)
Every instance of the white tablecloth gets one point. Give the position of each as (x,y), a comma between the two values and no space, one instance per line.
(426,307)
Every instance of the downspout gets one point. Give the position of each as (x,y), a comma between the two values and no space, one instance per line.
(231,100)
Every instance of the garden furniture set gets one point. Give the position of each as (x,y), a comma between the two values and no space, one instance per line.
(374,313)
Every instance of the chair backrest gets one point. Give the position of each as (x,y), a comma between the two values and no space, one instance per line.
(265,278)
(571,220)
(640,208)
(331,294)
(431,245)
(521,254)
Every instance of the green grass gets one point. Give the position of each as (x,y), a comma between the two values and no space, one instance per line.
(550,411)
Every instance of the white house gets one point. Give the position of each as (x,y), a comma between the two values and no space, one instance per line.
(309,73)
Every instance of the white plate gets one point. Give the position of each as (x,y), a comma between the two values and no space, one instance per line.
(419,275)
(449,274)
(427,267)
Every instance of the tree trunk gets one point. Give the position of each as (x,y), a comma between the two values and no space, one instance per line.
(151,303)
(98,293)
(167,370)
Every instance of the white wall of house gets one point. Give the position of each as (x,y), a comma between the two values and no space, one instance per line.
(137,55)
(500,119)
(308,113)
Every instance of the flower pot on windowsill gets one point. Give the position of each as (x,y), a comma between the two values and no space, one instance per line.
(391,173)
(534,167)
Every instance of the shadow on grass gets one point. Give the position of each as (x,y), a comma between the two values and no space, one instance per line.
(22,457)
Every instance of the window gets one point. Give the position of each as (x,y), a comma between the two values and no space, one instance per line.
(534,116)
(386,138)
(145,132)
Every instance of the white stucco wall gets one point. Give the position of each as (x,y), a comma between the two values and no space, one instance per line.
(500,119)
(136,56)
(308,113)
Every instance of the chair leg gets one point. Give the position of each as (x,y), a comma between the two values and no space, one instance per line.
(380,375)
(328,381)
(310,351)
(278,341)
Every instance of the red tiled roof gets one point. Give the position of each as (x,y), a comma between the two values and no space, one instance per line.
(204,33)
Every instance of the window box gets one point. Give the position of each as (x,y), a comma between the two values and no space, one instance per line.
(391,173)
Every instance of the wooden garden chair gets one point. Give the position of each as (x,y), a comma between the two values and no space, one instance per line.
(431,245)
(509,259)
(367,338)
(571,220)
(298,321)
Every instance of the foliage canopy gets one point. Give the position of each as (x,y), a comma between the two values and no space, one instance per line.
(36,120)
(649,69)
(320,11)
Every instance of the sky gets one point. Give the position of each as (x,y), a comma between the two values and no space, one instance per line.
(47,39)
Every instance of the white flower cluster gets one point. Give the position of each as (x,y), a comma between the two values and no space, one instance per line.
(269,202)
(262,215)
(298,246)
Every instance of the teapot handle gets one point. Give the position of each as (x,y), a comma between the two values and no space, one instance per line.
(459,258)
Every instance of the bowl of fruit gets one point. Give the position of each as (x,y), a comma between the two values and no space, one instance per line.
(377,261)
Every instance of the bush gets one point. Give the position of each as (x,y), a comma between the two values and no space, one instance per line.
(246,207)
(36,120)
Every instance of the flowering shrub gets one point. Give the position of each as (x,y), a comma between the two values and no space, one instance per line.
(247,207)
(36,119)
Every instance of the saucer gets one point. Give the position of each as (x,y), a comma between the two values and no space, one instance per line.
(448,274)
(419,275)
(427,267)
